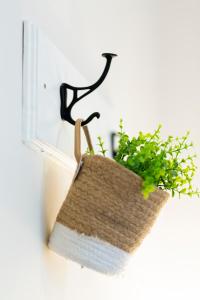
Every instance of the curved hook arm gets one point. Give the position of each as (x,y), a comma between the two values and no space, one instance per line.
(65,110)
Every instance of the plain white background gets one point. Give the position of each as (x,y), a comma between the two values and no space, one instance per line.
(155,79)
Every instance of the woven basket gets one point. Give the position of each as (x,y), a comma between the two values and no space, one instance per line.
(104,217)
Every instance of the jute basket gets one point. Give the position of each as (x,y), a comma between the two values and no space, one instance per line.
(104,217)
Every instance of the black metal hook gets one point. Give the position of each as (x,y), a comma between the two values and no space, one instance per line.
(65,111)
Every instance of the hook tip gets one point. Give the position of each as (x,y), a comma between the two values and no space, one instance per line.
(97,115)
(92,116)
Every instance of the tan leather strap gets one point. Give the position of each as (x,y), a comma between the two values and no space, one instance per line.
(77,140)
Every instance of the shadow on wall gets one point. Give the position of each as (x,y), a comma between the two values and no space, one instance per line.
(57,180)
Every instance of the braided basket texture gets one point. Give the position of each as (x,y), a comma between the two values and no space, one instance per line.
(104,217)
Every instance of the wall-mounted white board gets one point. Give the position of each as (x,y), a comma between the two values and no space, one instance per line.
(45,68)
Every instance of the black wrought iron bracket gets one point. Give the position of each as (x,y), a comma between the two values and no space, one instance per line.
(65,109)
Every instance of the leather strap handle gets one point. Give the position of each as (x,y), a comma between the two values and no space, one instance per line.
(77,140)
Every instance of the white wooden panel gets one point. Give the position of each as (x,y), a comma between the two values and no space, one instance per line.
(44,69)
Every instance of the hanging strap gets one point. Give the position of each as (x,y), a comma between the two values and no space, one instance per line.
(77,140)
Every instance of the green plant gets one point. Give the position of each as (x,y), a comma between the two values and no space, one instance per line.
(161,163)
(101,146)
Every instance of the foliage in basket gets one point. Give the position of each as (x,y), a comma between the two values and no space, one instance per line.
(163,163)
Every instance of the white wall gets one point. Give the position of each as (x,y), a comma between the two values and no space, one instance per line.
(155,79)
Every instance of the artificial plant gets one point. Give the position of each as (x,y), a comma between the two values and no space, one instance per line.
(163,163)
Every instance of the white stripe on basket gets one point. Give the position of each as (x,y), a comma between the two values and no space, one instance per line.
(87,251)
